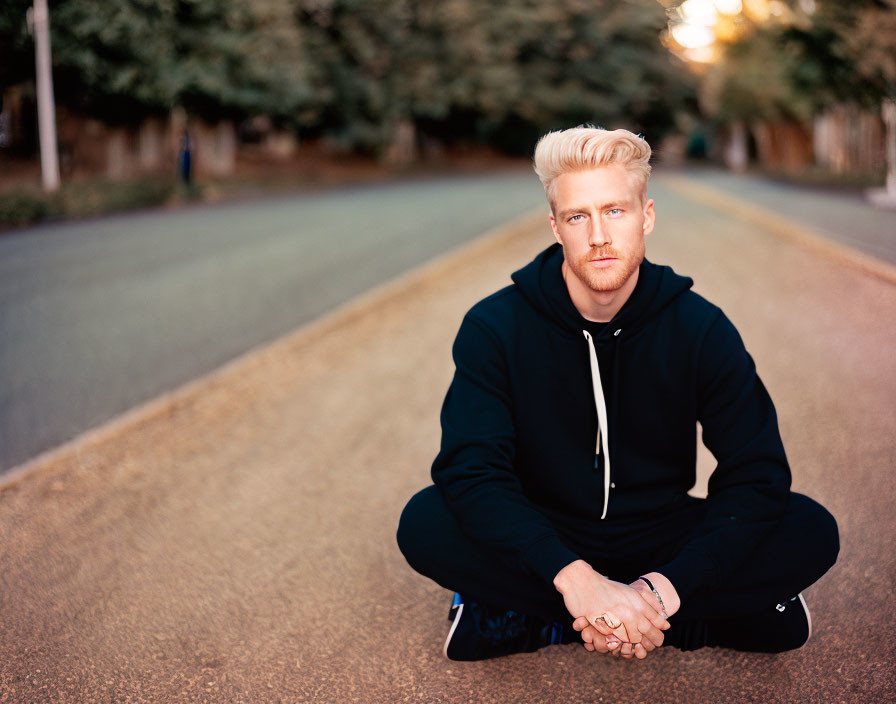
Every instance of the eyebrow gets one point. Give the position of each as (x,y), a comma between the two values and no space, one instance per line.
(603,206)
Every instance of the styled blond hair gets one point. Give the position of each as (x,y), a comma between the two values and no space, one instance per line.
(586,147)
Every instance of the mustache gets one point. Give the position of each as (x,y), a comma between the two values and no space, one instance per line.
(601,253)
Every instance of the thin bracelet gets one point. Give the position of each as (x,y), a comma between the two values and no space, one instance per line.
(657,595)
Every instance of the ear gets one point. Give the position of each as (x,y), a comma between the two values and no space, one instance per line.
(554,228)
(649,216)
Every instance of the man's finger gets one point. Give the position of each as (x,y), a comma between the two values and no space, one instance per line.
(580,624)
(658,620)
(650,632)
(600,644)
(654,635)
(622,634)
(647,626)
(600,625)
(594,641)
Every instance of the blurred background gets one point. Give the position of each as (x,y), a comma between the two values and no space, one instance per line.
(267,142)
(235,96)
(238,237)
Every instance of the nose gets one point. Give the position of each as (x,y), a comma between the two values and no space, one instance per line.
(599,235)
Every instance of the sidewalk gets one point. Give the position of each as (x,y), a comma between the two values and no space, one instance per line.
(234,541)
(845,216)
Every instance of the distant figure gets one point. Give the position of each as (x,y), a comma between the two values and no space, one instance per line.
(560,510)
(184,159)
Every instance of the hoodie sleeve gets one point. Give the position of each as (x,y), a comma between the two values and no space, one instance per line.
(749,488)
(474,470)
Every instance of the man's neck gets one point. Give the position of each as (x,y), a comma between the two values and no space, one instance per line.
(597,306)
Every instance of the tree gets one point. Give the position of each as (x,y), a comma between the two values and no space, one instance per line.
(123,60)
(369,73)
(471,69)
(16,46)
(794,69)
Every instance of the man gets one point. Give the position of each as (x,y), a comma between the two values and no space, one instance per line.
(559,509)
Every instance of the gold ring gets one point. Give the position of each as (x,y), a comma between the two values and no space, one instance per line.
(610,620)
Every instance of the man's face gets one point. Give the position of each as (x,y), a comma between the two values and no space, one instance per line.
(601,217)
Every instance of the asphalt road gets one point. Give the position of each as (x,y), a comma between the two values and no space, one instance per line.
(237,544)
(844,216)
(98,316)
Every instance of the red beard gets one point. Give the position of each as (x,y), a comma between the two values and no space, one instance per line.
(612,278)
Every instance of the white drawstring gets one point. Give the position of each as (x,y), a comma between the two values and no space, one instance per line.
(602,427)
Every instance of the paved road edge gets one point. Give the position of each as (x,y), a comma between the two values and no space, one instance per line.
(351,310)
(803,235)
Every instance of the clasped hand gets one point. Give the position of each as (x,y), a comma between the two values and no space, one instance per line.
(588,595)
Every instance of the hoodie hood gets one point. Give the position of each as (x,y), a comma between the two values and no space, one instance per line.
(541,284)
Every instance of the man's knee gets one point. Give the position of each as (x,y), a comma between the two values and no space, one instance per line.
(816,523)
(415,528)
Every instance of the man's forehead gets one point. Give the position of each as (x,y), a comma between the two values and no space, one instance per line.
(612,183)
(615,174)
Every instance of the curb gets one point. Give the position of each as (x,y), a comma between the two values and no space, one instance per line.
(808,237)
(344,314)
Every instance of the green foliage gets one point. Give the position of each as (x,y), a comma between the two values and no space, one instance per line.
(95,198)
(24,206)
(473,69)
(240,58)
(127,59)
(871,44)
(754,81)
(114,59)
(16,47)
(357,70)
(21,207)
(841,53)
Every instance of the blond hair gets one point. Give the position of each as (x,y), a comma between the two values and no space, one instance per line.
(586,147)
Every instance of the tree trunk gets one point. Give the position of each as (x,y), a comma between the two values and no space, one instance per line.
(736,153)
(888,111)
(402,151)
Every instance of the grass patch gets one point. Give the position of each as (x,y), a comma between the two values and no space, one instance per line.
(821,178)
(25,206)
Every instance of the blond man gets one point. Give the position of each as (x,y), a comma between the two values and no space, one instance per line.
(560,510)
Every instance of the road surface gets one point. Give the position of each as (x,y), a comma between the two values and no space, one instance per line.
(237,543)
(100,315)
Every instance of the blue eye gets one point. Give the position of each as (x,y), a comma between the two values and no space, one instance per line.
(614,210)
(574,218)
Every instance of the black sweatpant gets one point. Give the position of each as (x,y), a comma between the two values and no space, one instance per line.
(802,547)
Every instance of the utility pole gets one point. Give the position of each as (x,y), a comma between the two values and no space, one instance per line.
(39,20)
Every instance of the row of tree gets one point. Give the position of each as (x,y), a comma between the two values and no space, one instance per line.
(363,72)
(359,70)
(802,64)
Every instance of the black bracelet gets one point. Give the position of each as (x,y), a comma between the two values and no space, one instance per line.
(657,594)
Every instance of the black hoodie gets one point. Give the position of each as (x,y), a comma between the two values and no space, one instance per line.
(524,468)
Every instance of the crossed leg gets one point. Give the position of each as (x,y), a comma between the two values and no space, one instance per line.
(796,554)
